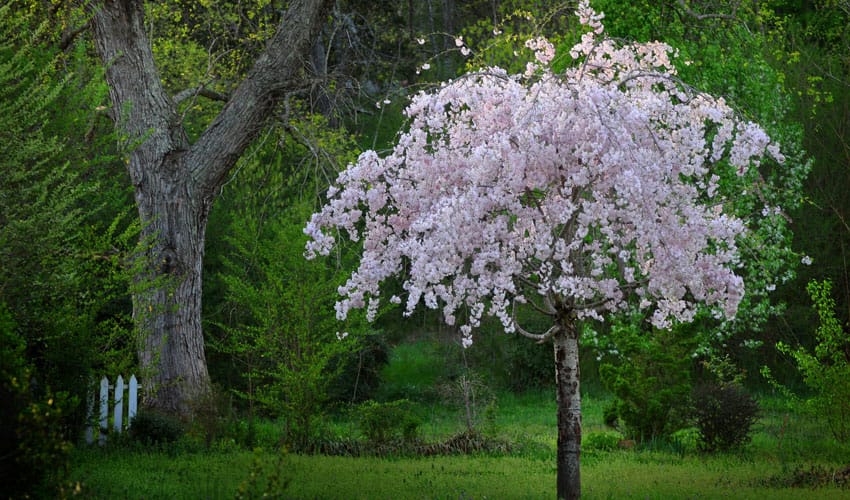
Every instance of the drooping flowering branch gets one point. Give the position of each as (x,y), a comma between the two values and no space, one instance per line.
(580,189)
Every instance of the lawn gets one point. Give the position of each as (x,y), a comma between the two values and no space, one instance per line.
(787,449)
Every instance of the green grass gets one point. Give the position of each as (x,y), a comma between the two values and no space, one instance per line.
(784,441)
(619,475)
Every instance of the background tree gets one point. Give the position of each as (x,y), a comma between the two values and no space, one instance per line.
(64,237)
(270,322)
(176,180)
(568,193)
(810,44)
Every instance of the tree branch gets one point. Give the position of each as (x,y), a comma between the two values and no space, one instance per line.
(140,105)
(696,15)
(539,337)
(253,101)
(69,36)
(199,91)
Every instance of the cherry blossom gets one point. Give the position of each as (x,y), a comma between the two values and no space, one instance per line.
(572,191)
(578,194)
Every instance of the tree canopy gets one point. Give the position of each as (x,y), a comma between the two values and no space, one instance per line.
(571,192)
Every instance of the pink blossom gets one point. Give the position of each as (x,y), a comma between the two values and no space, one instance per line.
(576,190)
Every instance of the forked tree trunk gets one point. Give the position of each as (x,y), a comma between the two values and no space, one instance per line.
(176,182)
(565,341)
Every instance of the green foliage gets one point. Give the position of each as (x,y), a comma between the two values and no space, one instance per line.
(724,414)
(150,427)
(601,441)
(384,422)
(64,230)
(283,334)
(34,446)
(272,330)
(826,370)
(651,381)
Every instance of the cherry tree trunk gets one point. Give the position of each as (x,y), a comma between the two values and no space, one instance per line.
(569,410)
(175,181)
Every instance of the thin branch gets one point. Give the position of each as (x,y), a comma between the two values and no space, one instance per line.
(700,17)
(546,309)
(68,37)
(199,91)
(840,217)
(592,305)
(539,337)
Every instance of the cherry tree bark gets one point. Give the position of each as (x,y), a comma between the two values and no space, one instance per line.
(176,182)
(565,341)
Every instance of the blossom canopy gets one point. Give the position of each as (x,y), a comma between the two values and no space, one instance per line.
(570,191)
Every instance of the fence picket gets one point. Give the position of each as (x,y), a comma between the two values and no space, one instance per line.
(118,421)
(104,409)
(119,404)
(133,401)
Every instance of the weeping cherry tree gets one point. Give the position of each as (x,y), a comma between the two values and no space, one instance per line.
(579,194)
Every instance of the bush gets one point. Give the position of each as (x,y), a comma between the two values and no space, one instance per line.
(725,414)
(210,414)
(826,372)
(33,447)
(151,427)
(383,422)
(651,383)
(601,441)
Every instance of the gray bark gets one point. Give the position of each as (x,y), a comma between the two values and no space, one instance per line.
(565,341)
(176,182)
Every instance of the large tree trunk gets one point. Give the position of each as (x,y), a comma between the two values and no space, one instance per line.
(565,341)
(167,304)
(175,182)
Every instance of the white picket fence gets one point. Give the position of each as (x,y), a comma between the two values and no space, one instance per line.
(117,403)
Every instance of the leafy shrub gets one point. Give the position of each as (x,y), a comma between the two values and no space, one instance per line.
(33,447)
(685,440)
(383,422)
(151,427)
(210,413)
(282,329)
(601,440)
(725,414)
(651,383)
(609,415)
(826,371)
